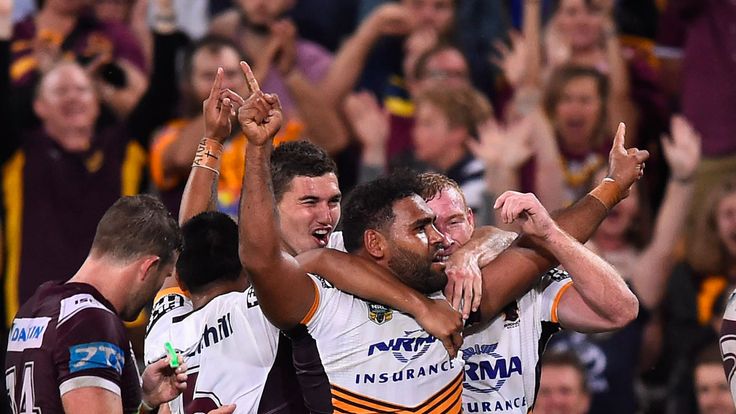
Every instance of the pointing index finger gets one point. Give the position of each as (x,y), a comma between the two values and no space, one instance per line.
(618,140)
(250,78)
(217,84)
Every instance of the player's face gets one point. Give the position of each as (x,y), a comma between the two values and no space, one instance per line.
(204,68)
(434,14)
(579,23)
(561,392)
(577,112)
(726,223)
(416,247)
(454,218)
(67,101)
(309,211)
(711,389)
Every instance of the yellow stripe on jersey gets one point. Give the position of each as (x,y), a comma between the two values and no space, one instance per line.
(447,400)
(169,291)
(13,194)
(310,314)
(556,303)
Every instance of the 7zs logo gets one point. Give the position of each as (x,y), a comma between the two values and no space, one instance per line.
(27,390)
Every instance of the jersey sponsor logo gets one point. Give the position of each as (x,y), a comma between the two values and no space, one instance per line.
(214,334)
(96,355)
(495,406)
(406,374)
(379,314)
(251,300)
(404,349)
(164,305)
(489,370)
(73,304)
(27,333)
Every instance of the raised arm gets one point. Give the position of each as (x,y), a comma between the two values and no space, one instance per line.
(654,266)
(285,293)
(518,268)
(599,299)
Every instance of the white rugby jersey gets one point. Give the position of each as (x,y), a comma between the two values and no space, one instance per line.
(728,343)
(380,360)
(501,373)
(168,304)
(229,347)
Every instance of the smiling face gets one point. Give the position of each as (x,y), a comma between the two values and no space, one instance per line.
(577,113)
(415,247)
(561,391)
(454,218)
(309,211)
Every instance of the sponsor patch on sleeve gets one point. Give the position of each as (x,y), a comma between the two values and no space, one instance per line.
(74,304)
(96,355)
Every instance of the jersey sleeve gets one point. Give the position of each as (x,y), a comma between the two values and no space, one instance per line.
(329,303)
(552,286)
(728,343)
(91,346)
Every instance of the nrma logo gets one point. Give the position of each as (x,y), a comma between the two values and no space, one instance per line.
(404,349)
(489,370)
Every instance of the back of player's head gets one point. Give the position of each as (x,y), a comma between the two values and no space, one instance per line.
(210,251)
(433,183)
(297,158)
(137,226)
(370,205)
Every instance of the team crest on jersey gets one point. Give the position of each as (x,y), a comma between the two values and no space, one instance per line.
(511,316)
(379,314)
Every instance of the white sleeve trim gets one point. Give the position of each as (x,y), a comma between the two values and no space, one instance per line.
(89,381)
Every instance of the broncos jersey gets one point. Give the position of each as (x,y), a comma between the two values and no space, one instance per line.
(168,304)
(728,343)
(501,359)
(380,360)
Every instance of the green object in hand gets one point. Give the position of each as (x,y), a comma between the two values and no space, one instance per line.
(173,357)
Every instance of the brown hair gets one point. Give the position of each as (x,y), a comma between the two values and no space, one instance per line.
(567,359)
(136,226)
(462,105)
(561,78)
(432,183)
(705,252)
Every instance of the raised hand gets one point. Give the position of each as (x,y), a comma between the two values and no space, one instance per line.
(503,147)
(285,58)
(390,19)
(218,109)
(625,166)
(526,208)
(444,323)
(260,115)
(161,383)
(369,121)
(682,150)
(512,60)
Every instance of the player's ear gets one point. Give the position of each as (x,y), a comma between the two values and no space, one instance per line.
(147,266)
(374,243)
(471,217)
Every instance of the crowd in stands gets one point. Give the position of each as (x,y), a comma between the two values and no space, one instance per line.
(102,99)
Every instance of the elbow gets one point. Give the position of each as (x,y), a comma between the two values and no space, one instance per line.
(627,311)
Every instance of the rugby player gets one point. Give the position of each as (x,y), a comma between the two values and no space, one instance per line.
(68,349)
(367,348)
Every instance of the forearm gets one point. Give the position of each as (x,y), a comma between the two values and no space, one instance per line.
(533,35)
(485,245)
(199,195)
(348,65)
(599,285)
(324,127)
(259,240)
(363,278)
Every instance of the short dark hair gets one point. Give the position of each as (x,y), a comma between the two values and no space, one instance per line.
(370,205)
(210,251)
(136,226)
(567,359)
(297,158)
(211,43)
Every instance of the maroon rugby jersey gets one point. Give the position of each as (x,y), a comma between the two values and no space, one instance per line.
(68,336)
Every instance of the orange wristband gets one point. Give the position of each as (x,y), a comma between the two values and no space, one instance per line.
(608,193)
(208,155)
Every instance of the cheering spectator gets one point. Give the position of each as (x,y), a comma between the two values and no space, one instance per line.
(563,388)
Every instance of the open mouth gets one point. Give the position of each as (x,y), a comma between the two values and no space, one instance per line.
(321,236)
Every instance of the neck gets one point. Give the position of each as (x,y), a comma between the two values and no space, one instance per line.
(109,278)
(451,157)
(72,139)
(214,290)
(253,41)
(587,56)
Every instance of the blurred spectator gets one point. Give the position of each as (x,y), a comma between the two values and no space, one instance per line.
(711,388)
(562,386)
(67,28)
(642,250)
(694,288)
(697,46)
(286,65)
